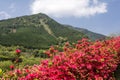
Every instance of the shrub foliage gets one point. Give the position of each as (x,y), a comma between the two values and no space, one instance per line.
(84,60)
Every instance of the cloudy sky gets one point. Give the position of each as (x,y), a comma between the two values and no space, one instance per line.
(101,16)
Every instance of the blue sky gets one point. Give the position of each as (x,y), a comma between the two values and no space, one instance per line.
(101,16)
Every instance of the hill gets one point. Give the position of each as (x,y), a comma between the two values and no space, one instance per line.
(90,34)
(36,31)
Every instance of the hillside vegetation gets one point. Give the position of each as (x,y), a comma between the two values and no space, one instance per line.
(36,31)
(84,60)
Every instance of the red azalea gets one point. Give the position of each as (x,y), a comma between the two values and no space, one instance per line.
(11,74)
(89,66)
(88,61)
(18,51)
(27,71)
(12,67)
(67,44)
(18,72)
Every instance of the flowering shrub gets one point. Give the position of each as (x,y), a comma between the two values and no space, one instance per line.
(16,60)
(82,61)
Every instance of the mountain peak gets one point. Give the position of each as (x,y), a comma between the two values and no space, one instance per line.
(36,31)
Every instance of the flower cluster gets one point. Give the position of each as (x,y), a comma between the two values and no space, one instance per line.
(16,60)
(83,61)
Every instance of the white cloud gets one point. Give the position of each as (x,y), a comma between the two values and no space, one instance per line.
(4,15)
(65,8)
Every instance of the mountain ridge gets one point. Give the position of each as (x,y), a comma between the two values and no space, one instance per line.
(90,34)
(36,31)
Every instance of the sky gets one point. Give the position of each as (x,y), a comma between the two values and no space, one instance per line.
(100,16)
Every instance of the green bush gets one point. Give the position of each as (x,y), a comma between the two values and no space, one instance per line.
(30,61)
(117,73)
(4,65)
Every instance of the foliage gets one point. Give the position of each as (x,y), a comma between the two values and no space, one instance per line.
(85,60)
(1,72)
(4,65)
(92,35)
(8,55)
(31,32)
(30,61)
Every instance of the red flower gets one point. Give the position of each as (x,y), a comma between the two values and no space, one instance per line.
(89,66)
(27,71)
(18,51)
(12,67)
(87,60)
(18,72)
(67,44)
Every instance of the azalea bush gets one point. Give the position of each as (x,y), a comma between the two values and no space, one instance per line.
(84,60)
